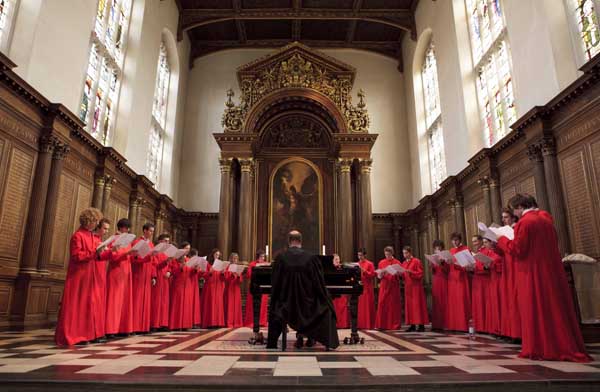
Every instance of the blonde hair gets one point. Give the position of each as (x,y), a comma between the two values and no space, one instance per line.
(89,216)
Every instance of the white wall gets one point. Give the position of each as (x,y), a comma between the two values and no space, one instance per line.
(378,76)
(51,43)
(543,63)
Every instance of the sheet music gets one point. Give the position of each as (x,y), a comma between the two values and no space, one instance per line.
(179,253)
(445,255)
(492,233)
(484,259)
(160,248)
(123,240)
(236,268)
(198,262)
(434,259)
(142,248)
(220,265)
(108,241)
(464,258)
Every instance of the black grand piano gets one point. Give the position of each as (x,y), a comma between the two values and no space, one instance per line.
(339,281)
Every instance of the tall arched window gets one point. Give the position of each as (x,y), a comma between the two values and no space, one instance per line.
(585,15)
(433,119)
(103,76)
(159,117)
(8,10)
(491,56)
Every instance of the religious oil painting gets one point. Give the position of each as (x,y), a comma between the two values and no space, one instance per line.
(295,203)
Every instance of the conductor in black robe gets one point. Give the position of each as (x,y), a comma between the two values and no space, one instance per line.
(299,296)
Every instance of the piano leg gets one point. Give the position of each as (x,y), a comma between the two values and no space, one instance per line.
(257,336)
(353,307)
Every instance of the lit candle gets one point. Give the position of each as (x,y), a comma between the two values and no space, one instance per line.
(324,250)
(267,251)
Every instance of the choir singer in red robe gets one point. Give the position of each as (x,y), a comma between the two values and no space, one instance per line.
(366,301)
(510,324)
(415,305)
(264,301)
(493,309)
(548,323)
(439,291)
(459,293)
(141,273)
(480,289)
(80,307)
(388,312)
(233,294)
(181,312)
(119,306)
(213,293)
(340,304)
(159,312)
(100,286)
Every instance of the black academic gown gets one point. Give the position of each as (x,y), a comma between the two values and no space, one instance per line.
(300,298)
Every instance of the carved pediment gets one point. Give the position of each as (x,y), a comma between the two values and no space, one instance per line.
(294,132)
(296,66)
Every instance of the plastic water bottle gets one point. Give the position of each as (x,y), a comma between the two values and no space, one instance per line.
(471,329)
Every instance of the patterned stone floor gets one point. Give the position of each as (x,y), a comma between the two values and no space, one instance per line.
(222,356)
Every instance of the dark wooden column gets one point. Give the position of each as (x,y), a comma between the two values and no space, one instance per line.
(555,194)
(534,153)
(245,223)
(460,217)
(366,221)
(133,208)
(60,151)
(346,249)
(108,184)
(223,239)
(495,201)
(37,204)
(98,191)
(434,231)
(484,183)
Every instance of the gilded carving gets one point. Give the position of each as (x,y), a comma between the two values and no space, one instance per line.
(295,131)
(296,70)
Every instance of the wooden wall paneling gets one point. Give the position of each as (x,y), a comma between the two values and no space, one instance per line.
(6,292)
(63,223)
(578,194)
(527,185)
(14,203)
(594,159)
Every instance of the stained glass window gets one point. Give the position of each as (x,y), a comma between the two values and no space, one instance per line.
(102,82)
(159,116)
(433,119)
(586,15)
(491,57)
(7,12)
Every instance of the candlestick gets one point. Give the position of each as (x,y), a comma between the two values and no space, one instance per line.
(324,250)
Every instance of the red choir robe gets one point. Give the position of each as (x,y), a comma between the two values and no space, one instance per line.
(264,303)
(510,324)
(415,305)
(480,297)
(181,311)
(80,307)
(366,301)
(342,314)
(389,313)
(159,312)
(119,306)
(141,278)
(196,300)
(213,293)
(459,296)
(492,309)
(233,295)
(439,294)
(100,289)
(549,327)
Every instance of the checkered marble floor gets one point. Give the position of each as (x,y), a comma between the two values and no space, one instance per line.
(205,356)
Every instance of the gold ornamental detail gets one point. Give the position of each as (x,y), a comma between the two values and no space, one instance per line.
(300,67)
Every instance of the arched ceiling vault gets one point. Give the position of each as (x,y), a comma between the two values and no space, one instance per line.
(373,25)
